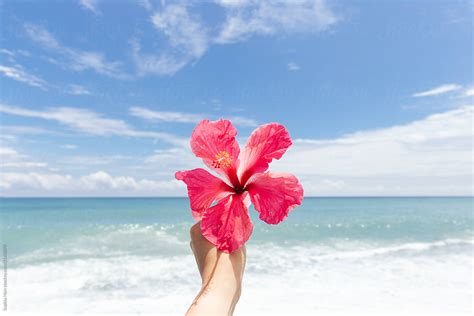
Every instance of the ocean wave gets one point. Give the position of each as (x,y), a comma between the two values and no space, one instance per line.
(309,254)
(101,241)
(412,247)
(278,281)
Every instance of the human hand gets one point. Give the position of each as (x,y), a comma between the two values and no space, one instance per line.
(221,275)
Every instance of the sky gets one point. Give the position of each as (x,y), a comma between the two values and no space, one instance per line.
(99,97)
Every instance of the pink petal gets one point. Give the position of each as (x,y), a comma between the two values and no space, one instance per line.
(227,224)
(274,195)
(266,143)
(213,140)
(203,189)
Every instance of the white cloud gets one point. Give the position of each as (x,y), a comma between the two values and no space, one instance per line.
(426,157)
(184,30)
(90,5)
(98,183)
(4,137)
(181,117)
(188,37)
(167,161)
(293,66)
(242,121)
(469,92)
(69,146)
(11,55)
(432,156)
(438,90)
(90,122)
(146,4)
(165,116)
(7,52)
(76,89)
(24,130)
(23,164)
(11,158)
(16,182)
(8,152)
(248,18)
(74,59)
(19,74)
(82,161)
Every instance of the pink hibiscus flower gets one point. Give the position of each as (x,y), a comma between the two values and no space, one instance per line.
(226,223)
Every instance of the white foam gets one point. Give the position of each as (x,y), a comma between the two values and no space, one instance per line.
(313,280)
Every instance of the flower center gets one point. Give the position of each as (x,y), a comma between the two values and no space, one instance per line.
(222,160)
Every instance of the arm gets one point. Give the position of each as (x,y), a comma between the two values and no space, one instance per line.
(221,275)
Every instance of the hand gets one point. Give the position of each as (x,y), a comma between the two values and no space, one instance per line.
(221,275)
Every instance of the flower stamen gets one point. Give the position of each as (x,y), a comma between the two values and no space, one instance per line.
(222,160)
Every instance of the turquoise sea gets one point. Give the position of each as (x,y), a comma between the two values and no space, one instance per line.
(332,256)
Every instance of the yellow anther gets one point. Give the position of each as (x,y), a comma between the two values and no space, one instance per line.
(222,160)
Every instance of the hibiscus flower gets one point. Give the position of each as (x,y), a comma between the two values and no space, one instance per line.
(222,205)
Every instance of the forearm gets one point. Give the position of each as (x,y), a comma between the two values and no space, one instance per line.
(221,286)
(221,276)
(214,300)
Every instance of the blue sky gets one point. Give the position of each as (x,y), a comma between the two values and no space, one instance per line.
(100,97)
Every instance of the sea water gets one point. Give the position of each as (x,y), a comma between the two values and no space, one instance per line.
(331,256)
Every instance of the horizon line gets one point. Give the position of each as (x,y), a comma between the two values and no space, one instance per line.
(185,197)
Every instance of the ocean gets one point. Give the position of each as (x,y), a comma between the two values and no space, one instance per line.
(331,256)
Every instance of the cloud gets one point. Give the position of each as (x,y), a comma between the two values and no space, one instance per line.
(469,92)
(187,41)
(248,18)
(426,157)
(73,59)
(98,183)
(90,122)
(23,164)
(7,52)
(8,152)
(92,160)
(24,130)
(242,121)
(438,90)
(185,37)
(168,161)
(11,158)
(4,137)
(188,37)
(19,74)
(292,66)
(146,4)
(69,146)
(76,89)
(180,117)
(431,156)
(90,5)
(165,116)
(185,31)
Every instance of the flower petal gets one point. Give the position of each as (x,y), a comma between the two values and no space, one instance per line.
(267,142)
(211,140)
(227,224)
(203,189)
(274,195)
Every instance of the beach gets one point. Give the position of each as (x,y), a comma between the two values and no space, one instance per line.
(331,256)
